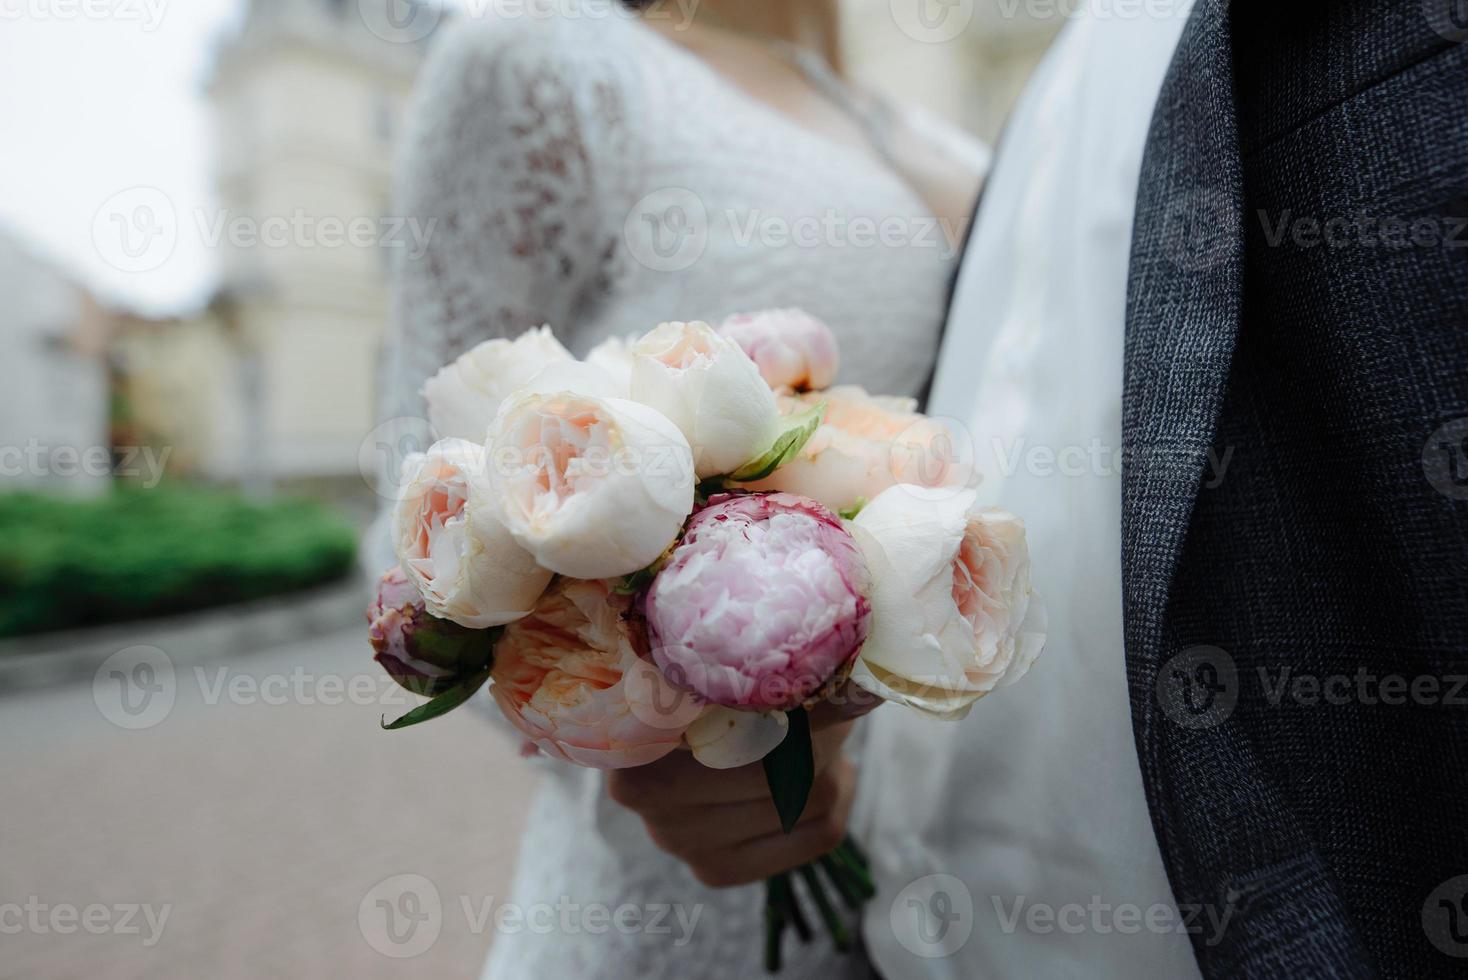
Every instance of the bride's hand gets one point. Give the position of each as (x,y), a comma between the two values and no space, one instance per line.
(723,824)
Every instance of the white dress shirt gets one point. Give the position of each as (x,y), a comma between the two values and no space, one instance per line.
(1017,843)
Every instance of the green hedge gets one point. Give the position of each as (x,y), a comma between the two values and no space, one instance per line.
(66,563)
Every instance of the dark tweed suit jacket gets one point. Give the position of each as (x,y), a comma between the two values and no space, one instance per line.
(1296,492)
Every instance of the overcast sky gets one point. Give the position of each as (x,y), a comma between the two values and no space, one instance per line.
(96,105)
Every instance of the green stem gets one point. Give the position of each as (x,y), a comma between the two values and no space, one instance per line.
(774,926)
(843,855)
(846,887)
(834,925)
(794,911)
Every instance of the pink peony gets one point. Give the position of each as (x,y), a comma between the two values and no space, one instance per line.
(567,677)
(792,348)
(763,602)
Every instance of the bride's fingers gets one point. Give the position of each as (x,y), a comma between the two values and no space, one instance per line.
(818,833)
(689,831)
(679,781)
(847,704)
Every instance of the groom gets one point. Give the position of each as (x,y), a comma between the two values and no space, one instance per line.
(1211,337)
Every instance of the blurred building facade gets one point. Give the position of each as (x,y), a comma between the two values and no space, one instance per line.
(307,101)
(54,395)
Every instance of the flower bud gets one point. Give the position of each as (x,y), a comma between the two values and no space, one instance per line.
(424,654)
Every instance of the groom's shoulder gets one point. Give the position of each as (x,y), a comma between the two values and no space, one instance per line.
(1297,61)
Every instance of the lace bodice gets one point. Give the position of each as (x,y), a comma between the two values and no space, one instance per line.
(587,173)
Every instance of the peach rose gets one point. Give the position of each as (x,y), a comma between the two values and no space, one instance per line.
(567,677)
(865,444)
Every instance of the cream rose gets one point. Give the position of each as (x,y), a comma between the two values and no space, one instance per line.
(711,390)
(592,487)
(865,444)
(464,397)
(451,540)
(953,612)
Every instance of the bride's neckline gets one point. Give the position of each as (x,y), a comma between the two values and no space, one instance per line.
(873,122)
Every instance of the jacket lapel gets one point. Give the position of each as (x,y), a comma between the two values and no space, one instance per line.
(1183,309)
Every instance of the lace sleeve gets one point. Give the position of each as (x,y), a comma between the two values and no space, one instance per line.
(500,169)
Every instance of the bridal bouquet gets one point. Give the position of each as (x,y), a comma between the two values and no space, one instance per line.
(683,543)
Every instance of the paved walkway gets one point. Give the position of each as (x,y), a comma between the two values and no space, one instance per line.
(270,825)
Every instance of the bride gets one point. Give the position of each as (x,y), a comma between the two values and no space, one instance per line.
(602,172)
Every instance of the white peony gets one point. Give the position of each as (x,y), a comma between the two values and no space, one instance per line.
(953,612)
(711,390)
(464,397)
(592,487)
(614,356)
(451,541)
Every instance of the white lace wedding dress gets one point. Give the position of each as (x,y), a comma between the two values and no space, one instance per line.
(587,173)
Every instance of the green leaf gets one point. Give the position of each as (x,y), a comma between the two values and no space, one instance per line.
(441,705)
(851,513)
(790,770)
(796,432)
